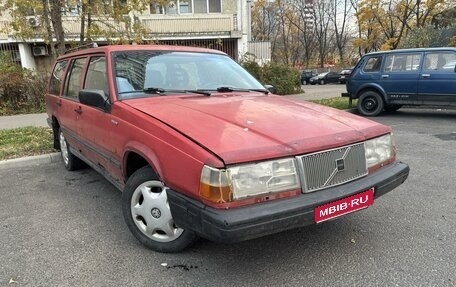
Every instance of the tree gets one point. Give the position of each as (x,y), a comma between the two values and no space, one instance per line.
(383,24)
(323,34)
(339,11)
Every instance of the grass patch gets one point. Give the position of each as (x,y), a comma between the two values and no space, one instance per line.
(26,141)
(340,103)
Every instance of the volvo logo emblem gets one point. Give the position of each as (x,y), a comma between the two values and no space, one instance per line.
(340,164)
(156,213)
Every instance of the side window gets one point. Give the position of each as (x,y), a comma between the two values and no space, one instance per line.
(373,64)
(402,62)
(96,77)
(442,61)
(57,77)
(73,83)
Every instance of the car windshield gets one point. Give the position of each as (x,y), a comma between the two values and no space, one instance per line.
(323,74)
(159,72)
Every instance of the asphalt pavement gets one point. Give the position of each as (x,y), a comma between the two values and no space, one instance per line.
(61,228)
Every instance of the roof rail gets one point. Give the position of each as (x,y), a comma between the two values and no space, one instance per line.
(82,47)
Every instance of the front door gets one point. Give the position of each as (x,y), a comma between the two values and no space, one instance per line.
(95,124)
(399,78)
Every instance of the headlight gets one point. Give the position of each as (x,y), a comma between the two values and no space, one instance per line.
(238,182)
(379,150)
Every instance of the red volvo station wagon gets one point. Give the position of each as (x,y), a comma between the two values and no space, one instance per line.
(199,148)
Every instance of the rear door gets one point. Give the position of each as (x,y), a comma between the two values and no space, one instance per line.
(68,105)
(437,82)
(399,77)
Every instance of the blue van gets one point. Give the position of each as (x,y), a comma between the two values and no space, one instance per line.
(384,81)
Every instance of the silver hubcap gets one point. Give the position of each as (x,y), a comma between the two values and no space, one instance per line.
(63,148)
(151,213)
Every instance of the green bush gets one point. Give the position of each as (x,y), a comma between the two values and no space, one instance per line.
(21,90)
(285,80)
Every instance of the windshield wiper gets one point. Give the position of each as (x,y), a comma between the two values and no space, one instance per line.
(230,89)
(153,90)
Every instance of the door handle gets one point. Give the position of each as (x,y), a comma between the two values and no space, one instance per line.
(59,103)
(425,75)
(78,110)
(385,76)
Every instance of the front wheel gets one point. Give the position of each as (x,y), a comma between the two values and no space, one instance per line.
(322,82)
(147,214)
(370,103)
(304,82)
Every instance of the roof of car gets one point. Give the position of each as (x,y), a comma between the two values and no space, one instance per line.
(117,48)
(434,49)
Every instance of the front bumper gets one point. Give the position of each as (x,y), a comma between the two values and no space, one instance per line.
(248,222)
(345,94)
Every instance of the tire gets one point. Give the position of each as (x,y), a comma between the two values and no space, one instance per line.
(392,108)
(70,161)
(322,82)
(370,104)
(304,82)
(148,216)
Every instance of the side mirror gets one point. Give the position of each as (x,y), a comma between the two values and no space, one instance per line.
(94,98)
(270,88)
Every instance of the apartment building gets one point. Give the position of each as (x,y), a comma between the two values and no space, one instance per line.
(217,24)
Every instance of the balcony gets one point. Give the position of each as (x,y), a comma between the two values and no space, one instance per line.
(72,26)
(159,27)
(168,27)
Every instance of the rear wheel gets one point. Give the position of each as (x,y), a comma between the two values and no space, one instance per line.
(70,161)
(304,82)
(147,214)
(370,103)
(392,108)
(322,82)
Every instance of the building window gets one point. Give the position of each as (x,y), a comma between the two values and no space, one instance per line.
(186,6)
(215,6)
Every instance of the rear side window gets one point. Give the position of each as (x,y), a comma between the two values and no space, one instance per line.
(373,64)
(402,62)
(73,83)
(439,61)
(57,77)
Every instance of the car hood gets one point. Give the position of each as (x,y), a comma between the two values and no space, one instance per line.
(249,127)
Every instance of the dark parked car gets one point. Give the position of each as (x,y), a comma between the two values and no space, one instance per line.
(324,78)
(306,75)
(384,81)
(344,75)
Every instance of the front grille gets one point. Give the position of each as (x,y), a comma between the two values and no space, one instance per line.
(332,167)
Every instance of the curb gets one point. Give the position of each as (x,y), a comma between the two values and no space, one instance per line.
(30,160)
